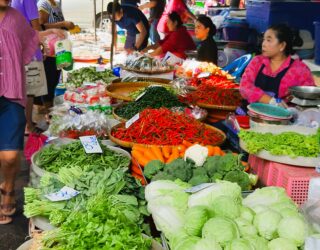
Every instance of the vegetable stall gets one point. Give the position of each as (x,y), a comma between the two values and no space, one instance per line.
(138,163)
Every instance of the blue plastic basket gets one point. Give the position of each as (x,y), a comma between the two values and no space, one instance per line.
(317,42)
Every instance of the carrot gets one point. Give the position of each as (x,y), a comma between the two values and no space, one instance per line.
(181,154)
(141,159)
(182,148)
(136,170)
(174,155)
(222,153)
(149,154)
(139,177)
(157,152)
(210,150)
(139,148)
(246,166)
(166,151)
(186,143)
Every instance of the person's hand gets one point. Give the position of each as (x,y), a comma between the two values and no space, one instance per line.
(58,32)
(68,25)
(130,51)
(278,102)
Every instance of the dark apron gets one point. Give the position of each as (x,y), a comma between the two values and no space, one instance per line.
(270,85)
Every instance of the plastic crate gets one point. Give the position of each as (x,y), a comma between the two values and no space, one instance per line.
(295,180)
(299,15)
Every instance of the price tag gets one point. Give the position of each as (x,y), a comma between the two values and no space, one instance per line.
(65,193)
(198,188)
(204,75)
(100,69)
(132,120)
(90,144)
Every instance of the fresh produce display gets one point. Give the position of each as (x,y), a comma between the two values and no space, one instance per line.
(52,158)
(73,125)
(228,167)
(145,63)
(90,74)
(154,97)
(192,68)
(213,96)
(216,217)
(287,143)
(164,127)
(136,94)
(214,81)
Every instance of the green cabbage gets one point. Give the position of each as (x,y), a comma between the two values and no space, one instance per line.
(294,229)
(259,243)
(259,209)
(226,206)
(247,214)
(282,244)
(267,224)
(239,244)
(208,195)
(196,217)
(187,243)
(207,244)
(223,230)
(245,227)
(289,212)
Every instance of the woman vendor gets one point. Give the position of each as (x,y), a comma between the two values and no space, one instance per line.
(269,76)
(205,30)
(177,41)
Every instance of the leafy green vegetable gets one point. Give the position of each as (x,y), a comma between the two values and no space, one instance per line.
(89,74)
(287,143)
(51,158)
(239,177)
(207,244)
(239,244)
(196,218)
(247,214)
(258,242)
(280,244)
(226,206)
(267,224)
(245,228)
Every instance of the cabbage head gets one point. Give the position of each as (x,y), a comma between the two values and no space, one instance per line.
(258,242)
(282,244)
(247,214)
(208,195)
(294,229)
(246,228)
(223,230)
(289,212)
(226,206)
(259,209)
(177,238)
(207,244)
(267,224)
(186,243)
(195,218)
(163,187)
(239,244)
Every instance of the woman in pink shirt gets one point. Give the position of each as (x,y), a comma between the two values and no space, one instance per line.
(269,76)
(18,44)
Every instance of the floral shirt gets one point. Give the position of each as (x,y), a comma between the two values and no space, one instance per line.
(297,75)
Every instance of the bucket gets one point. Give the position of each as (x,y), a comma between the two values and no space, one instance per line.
(317,43)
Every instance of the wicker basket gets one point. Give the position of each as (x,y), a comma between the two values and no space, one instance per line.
(127,144)
(221,107)
(149,72)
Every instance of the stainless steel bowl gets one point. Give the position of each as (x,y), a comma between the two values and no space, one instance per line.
(306,92)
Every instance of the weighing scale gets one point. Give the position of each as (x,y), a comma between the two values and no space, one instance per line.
(306,102)
(306,96)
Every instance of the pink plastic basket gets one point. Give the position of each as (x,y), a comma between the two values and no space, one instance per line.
(295,180)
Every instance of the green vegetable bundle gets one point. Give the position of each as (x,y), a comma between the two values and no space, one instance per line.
(287,143)
(52,158)
(154,97)
(227,167)
(77,77)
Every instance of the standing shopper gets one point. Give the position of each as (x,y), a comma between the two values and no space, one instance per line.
(50,16)
(134,22)
(156,9)
(35,74)
(18,42)
(178,6)
(205,30)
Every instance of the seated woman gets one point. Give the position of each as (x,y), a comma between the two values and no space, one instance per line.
(177,41)
(205,30)
(270,75)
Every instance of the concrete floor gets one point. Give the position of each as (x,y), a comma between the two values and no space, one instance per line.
(15,233)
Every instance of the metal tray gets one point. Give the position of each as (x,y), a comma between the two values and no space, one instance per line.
(306,92)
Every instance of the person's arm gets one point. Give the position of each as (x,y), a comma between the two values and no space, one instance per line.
(148,5)
(35,24)
(248,90)
(155,46)
(143,33)
(44,18)
(158,51)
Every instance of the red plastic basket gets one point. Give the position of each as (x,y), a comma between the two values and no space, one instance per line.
(295,180)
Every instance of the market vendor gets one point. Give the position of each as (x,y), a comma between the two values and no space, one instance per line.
(177,41)
(205,30)
(270,75)
(134,22)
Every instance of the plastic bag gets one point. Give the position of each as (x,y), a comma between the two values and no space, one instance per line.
(33,144)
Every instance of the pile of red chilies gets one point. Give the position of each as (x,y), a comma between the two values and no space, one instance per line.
(215,81)
(164,127)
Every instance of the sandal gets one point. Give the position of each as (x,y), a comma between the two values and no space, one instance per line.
(7,209)
(5,219)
